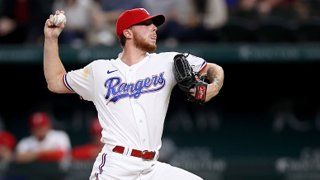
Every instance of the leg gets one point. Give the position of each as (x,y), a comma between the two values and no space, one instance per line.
(164,171)
(113,166)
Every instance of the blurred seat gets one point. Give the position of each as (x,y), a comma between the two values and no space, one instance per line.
(238,30)
(276,30)
(309,30)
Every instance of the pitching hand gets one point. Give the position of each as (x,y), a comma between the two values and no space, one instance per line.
(50,29)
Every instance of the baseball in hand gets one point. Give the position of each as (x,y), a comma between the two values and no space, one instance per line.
(58,19)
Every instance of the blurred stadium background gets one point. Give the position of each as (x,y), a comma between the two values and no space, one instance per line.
(264,124)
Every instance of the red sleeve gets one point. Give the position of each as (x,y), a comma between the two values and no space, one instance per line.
(56,155)
(85,152)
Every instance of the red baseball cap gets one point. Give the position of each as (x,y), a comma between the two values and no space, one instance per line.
(39,119)
(7,139)
(135,16)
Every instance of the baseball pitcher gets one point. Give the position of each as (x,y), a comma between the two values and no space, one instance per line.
(131,93)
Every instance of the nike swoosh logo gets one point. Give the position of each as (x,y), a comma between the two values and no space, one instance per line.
(109,72)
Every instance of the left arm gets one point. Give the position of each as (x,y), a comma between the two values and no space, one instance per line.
(215,74)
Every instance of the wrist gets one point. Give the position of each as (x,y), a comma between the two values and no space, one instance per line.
(51,39)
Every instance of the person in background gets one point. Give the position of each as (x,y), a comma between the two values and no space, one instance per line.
(44,144)
(14,21)
(79,13)
(19,20)
(213,14)
(105,15)
(90,150)
(181,19)
(7,146)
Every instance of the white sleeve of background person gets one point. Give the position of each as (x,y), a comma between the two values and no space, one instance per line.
(62,140)
(81,82)
(185,11)
(216,14)
(26,144)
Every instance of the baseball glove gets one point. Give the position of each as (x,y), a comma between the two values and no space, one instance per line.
(187,79)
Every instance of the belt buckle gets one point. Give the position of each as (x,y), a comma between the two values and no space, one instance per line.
(144,154)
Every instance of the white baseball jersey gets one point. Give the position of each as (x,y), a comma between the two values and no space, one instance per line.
(131,101)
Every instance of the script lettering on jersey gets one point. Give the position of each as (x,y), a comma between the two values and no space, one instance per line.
(116,89)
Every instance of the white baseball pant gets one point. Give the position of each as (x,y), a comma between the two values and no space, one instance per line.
(114,166)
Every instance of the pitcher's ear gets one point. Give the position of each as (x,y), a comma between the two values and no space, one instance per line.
(127,33)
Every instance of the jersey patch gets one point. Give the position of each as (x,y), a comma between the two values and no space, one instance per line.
(116,89)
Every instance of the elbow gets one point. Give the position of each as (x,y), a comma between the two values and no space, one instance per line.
(218,70)
(54,88)
(58,88)
(51,88)
(221,70)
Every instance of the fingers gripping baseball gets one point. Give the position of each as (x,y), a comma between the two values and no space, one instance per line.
(55,24)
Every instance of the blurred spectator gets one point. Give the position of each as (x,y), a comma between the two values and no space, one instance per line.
(44,144)
(262,9)
(232,4)
(90,150)
(79,16)
(7,146)
(313,6)
(40,10)
(304,12)
(213,14)
(14,21)
(180,15)
(21,21)
(104,20)
(188,20)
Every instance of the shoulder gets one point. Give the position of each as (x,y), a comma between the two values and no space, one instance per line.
(95,65)
(164,54)
(99,62)
(163,57)
(26,139)
(58,133)
(172,54)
